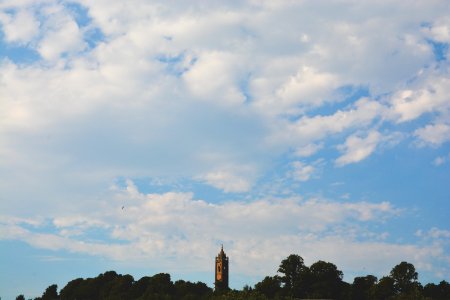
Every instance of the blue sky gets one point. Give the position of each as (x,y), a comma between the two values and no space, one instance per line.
(320,128)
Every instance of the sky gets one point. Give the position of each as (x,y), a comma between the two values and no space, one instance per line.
(138,136)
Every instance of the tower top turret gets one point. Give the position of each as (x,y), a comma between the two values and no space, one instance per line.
(221,278)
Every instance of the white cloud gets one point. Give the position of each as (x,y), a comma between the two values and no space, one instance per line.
(433,135)
(20,27)
(77,221)
(308,150)
(213,78)
(61,34)
(66,38)
(257,82)
(165,229)
(439,233)
(440,160)
(308,87)
(229,57)
(230,179)
(55,33)
(302,172)
(434,233)
(315,128)
(440,30)
(358,148)
(410,104)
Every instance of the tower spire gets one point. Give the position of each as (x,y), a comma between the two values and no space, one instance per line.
(221,280)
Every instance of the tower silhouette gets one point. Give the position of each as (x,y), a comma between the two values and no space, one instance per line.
(222,271)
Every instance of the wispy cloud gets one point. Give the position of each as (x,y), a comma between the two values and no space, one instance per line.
(164,227)
(440,160)
(433,134)
(356,149)
(230,179)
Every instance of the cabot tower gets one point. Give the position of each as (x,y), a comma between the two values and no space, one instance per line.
(221,282)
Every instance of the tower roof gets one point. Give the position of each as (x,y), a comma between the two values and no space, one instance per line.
(222,253)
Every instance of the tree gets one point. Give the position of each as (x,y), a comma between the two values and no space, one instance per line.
(189,290)
(119,287)
(384,289)
(326,280)
(296,274)
(361,287)
(437,292)
(405,277)
(269,286)
(160,286)
(139,287)
(51,293)
(72,290)
(20,297)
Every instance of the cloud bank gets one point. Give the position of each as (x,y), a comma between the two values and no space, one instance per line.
(172,228)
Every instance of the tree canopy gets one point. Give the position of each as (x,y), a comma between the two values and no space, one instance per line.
(295,280)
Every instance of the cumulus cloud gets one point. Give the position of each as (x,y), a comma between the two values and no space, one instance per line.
(358,148)
(230,179)
(410,104)
(63,36)
(434,135)
(162,72)
(308,150)
(159,227)
(361,114)
(20,27)
(212,78)
(169,228)
(49,28)
(301,171)
(434,233)
(154,66)
(308,87)
(440,30)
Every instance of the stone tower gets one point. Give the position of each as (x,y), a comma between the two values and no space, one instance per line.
(222,271)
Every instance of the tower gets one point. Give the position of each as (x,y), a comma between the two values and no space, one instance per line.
(221,278)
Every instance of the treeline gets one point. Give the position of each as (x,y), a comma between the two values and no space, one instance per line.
(295,280)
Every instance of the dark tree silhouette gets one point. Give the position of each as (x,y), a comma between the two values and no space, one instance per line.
(139,287)
(118,287)
(295,276)
(159,284)
(269,286)
(437,292)
(326,280)
(384,289)
(362,286)
(72,289)
(51,293)
(405,278)
(297,281)
(188,290)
